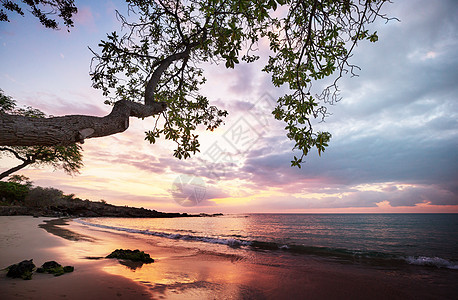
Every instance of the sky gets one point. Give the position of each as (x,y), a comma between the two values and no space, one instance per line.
(394,146)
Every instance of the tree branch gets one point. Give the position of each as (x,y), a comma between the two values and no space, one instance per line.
(154,80)
(13,152)
(15,169)
(18,130)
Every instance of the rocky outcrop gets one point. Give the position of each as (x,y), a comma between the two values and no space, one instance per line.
(52,267)
(74,208)
(133,255)
(23,270)
(14,210)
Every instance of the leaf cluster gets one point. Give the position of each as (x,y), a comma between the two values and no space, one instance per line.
(314,41)
(41,9)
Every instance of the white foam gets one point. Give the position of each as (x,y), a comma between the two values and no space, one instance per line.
(431,261)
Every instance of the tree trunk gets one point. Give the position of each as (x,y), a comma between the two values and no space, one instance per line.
(28,131)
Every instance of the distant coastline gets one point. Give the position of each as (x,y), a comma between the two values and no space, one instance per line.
(17,199)
(92,209)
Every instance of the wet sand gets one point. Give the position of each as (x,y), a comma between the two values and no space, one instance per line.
(183,273)
(21,238)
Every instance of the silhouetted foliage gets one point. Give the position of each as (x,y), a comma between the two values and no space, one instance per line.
(42,9)
(158,57)
(11,192)
(43,197)
(153,67)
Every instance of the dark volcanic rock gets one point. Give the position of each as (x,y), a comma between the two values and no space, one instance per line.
(52,267)
(14,210)
(77,208)
(133,255)
(94,257)
(69,269)
(23,270)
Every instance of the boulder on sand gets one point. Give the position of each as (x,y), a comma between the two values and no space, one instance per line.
(133,255)
(52,267)
(23,270)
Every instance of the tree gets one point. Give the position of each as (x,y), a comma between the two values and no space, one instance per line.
(152,68)
(68,158)
(15,189)
(65,8)
(20,179)
(43,197)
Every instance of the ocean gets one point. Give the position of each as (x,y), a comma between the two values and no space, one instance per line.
(424,241)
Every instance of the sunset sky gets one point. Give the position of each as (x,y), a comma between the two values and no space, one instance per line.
(395,132)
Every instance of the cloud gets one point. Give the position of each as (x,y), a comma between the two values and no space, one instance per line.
(391,196)
(431,194)
(396,125)
(242,80)
(365,160)
(85,18)
(398,158)
(55,104)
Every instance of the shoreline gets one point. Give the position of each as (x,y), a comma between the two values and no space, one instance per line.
(185,273)
(21,238)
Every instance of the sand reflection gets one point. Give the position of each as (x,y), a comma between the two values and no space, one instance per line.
(192,276)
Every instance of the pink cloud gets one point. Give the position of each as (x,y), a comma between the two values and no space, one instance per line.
(85,18)
(53,104)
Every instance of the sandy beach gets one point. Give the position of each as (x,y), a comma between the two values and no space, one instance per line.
(21,238)
(184,273)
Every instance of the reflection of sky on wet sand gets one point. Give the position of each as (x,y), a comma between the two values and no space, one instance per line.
(177,272)
(199,276)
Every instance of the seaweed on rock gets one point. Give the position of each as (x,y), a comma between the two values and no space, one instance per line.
(52,267)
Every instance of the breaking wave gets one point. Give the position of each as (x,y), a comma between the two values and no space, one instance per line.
(431,261)
(176,236)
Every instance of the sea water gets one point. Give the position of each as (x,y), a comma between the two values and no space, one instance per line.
(429,240)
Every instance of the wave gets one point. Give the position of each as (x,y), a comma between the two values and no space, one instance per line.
(431,261)
(176,236)
(370,257)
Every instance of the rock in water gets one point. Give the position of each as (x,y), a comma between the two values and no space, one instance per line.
(133,255)
(23,270)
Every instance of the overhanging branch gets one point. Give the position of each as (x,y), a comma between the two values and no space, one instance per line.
(18,130)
